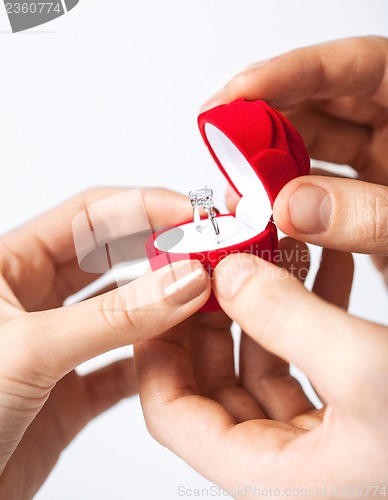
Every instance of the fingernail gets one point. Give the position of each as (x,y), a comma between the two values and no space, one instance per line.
(231,275)
(310,209)
(184,282)
(213,101)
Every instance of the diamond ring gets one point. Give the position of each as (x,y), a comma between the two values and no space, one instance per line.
(204,198)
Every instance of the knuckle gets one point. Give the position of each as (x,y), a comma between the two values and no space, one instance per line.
(271,288)
(239,85)
(153,429)
(91,195)
(26,374)
(373,216)
(122,314)
(154,426)
(18,393)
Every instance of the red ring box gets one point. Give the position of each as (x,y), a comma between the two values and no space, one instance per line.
(258,150)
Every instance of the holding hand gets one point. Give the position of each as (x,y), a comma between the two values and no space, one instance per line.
(336,94)
(257,429)
(43,403)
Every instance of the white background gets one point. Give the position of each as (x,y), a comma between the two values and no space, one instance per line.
(108,95)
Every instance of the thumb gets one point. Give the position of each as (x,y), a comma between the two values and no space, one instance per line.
(47,345)
(342,214)
(276,311)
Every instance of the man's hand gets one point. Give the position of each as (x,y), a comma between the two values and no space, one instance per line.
(336,94)
(258,430)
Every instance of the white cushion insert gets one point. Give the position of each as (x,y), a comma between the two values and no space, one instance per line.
(232,231)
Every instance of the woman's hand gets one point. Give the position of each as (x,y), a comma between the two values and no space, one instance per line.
(43,402)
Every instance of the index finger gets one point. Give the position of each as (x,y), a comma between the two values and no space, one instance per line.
(48,240)
(352,66)
(301,328)
(53,229)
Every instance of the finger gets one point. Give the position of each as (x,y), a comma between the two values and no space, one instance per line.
(333,281)
(297,326)
(76,400)
(334,278)
(142,309)
(342,214)
(54,231)
(48,240)
(109,385)
(294,256)
(266,376)
(40,348)
(167,388)
(356,109)
(327,173)
(201,431)
(353,66)
(9,304)
(343,142)
(310,420)
(232,197)
(334,140)
(210,347)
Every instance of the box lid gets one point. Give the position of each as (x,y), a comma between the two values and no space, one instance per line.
(254,146)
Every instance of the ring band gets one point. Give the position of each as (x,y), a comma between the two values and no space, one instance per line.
(204,198)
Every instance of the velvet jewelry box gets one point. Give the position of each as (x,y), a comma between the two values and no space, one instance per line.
(258,150)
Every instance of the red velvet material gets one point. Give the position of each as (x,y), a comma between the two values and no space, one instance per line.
(265,137)
(276,153)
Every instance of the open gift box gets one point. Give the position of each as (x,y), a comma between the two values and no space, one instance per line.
(258,150)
